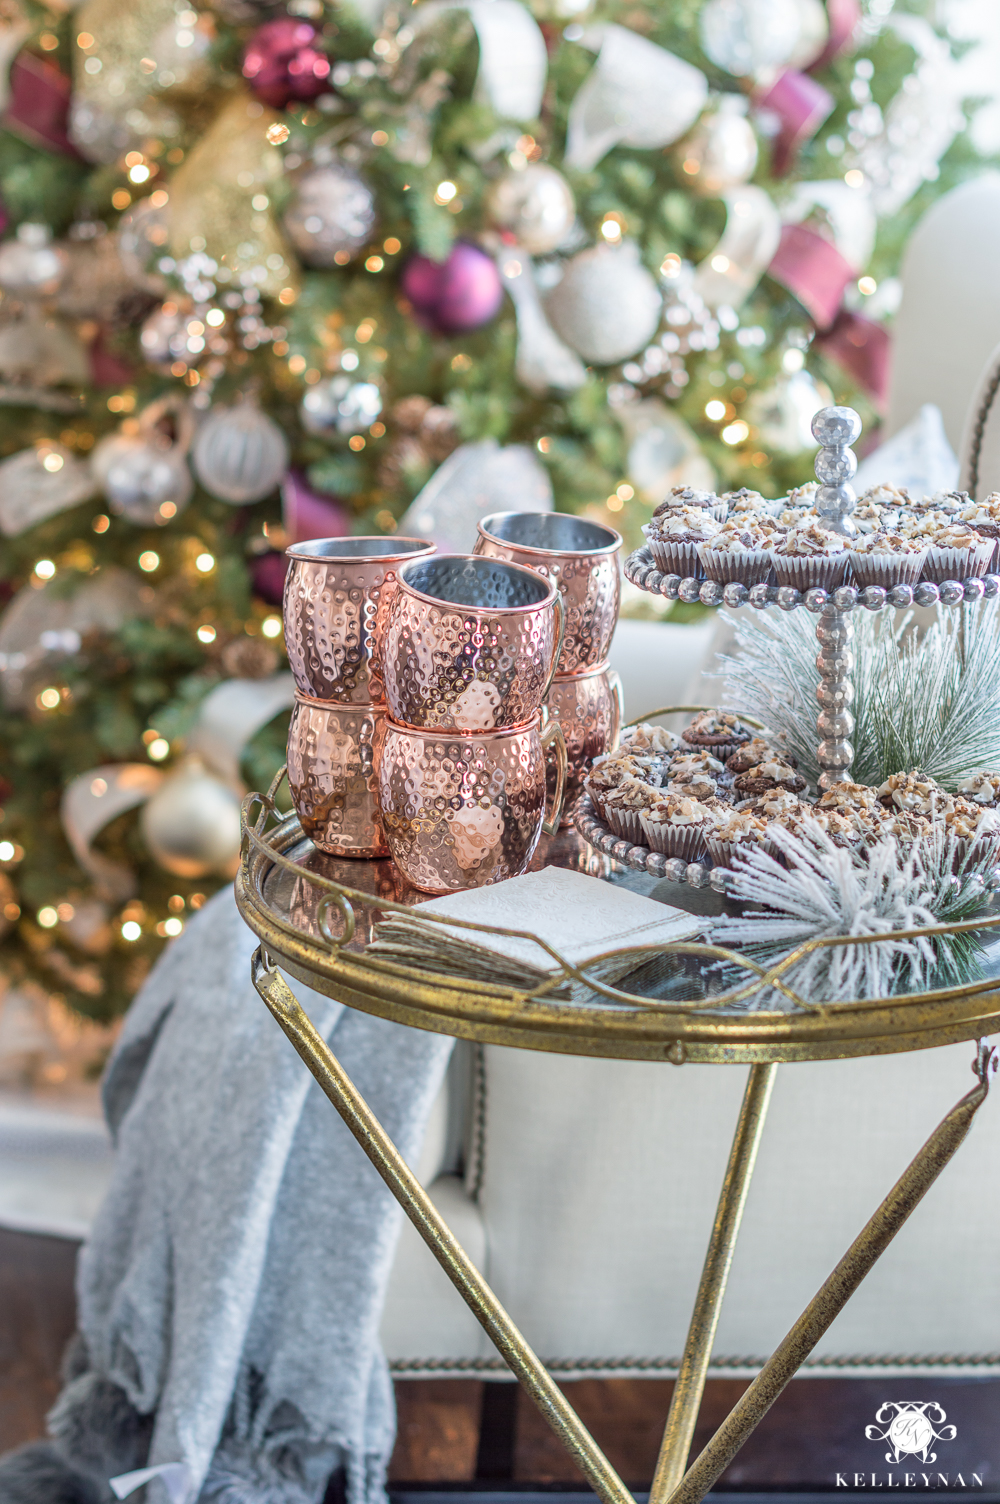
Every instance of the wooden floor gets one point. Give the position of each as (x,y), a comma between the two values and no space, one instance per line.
(462,1430)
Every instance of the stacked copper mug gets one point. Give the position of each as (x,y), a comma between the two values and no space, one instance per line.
(580,558)
(336,594)
(467,647)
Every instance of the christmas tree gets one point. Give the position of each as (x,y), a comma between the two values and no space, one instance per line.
(266,270)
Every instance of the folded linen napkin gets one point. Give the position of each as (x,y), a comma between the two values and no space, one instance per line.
(579,916)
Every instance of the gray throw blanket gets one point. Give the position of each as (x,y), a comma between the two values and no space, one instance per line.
(232,1287)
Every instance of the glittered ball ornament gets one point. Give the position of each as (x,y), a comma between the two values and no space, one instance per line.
(163,336)
(340,405)
(744,37)
(239,454)
(30,265)
(721,151)
(191,825)
(332,213)
(283,62)
(534,204)
(782,414)
(463,292)
(142,479)
(607,305)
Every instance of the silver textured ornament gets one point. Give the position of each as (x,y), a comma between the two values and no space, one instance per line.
(239,454)
(163,337)
(192,823)
(743,37)
(333,212)
(782,414)
(607,305)
(535,204)
(721,151)
(340,405)
(30,265)
(144,478)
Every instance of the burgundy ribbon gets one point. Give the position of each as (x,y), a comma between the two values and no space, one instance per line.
(813,270)
(801,105)
(305,514)
(862,348)
(39,104)
(843,17)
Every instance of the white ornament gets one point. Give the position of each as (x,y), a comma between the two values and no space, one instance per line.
(607,306)
(37,351)
(513,59)
(721,151)
(239,454)
(30,265)
(192,823)
(340,405)
(735,265)
(144,479)
(40,483)
(849,213)
(474,481)
(542,363)
(782,414)
(747,37)
(89,803)
(662,450)
(333,211)
(637,94)
(814,32)
(535,203)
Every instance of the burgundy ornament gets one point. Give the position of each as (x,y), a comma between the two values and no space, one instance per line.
(282,62)
(306,514)
(463,292)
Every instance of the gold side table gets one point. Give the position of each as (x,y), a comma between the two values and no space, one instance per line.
(314,916)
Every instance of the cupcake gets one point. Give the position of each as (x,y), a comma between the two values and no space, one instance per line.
(971,826)
(907,826)
(797,821)
(949,502)
(913,793)
(624,806)
(983,517)
(982,789)
(644,737)
(790,516)
(674,536)
(751,753)
(775,802)
(608,773)
(718,732)
(887,559)
(917,524)
(696,774)
(851,796)
(688,496)
(810,555)
(677,825)
(739,552)
(869,517)
(739,503)
(772,774)
(893,497)
(734,832)
(955,552)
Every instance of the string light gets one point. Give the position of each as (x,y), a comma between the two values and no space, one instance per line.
(47,918)
(735,433)
(715,410)
(204,563)
(158,749)
(148,561)
(445,192)
(48,699)
(271,626)
(131,930)
(206,633)
(867,285)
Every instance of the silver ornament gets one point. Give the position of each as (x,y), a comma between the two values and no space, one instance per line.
(144,479)
(30,265)
(340,405)
(782,414)
(142,236)
(746,36)
(535,203)
(721,151)
(239,454)
(333,212)
(543,363)
(192,823)
(163,337)
(607,306)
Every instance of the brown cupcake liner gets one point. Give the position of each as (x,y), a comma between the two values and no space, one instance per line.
(624,823)
(671,557)
(887,570)
(958,563)
(722,852)
(745,566)
(989,530)
(819,573)
(684,841)
(719,750)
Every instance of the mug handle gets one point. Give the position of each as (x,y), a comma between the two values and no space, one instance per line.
(560,606)
(552,736)
(617,707)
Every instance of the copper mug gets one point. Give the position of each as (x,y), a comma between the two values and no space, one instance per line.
(331,775)
(463,811)
(469,644)
(589,708)
(581,559)
(336,591)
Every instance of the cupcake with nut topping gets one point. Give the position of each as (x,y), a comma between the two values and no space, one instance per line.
(983,517)
(981,788)
(810,556)
(887,559)
(734,832)
(689,496)
(718,732)
(740,552)
(913,793)
(770,774)
(677,825)
(955,552)
(674,535)
(623,807)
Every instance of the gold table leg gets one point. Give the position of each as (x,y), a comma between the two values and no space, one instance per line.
(690,1384)
(830,1300)
(421,1211)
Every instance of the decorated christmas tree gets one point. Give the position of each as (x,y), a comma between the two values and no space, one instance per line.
(272,273)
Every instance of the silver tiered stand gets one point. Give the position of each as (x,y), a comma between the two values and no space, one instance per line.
(836,428)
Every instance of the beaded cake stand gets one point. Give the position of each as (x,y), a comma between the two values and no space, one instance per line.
(836,428)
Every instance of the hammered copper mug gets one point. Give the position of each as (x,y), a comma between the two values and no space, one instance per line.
(336,592)
(468,643)
(589,709)
(331,775)
(581,558)
(463,811)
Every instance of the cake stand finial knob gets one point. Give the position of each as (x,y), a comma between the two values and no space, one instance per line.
(836,428)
